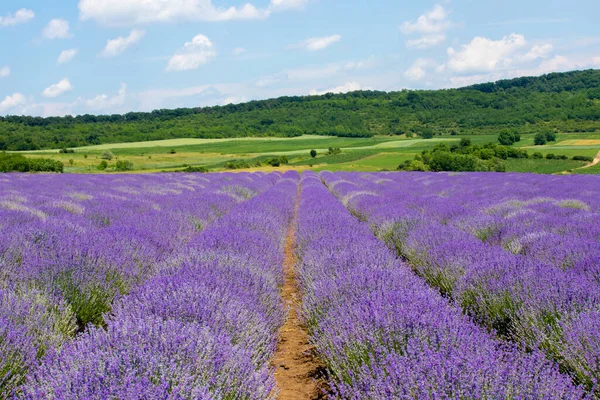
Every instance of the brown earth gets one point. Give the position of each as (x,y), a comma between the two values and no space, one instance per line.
(297,369)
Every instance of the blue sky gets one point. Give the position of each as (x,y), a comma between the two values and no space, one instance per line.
(114,56)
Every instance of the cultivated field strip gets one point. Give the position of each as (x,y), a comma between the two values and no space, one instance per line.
(554,307)
(384,333)
(70,246)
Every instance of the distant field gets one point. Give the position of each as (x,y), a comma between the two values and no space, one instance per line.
(358,154)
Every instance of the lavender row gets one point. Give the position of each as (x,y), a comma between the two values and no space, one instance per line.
(551,219)
(384,334)
(521,298)
(205,327)
(70,245)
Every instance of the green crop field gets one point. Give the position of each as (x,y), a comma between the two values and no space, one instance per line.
(357,154)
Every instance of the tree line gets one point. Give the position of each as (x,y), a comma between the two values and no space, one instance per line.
(568,102)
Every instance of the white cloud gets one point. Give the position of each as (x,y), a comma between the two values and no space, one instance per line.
(485,55)
(320,43)
(57,29)
(106,102)
(434,21)
(431,26)
(58,89)
(66,56)
(119,12)
(538,51)
(20,17)
(419,69)
(4,72)
(427,41)
(345,88)
(115,47)
(11,102)
(193,55)
(238,51)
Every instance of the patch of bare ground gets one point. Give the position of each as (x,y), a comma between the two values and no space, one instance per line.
(298,371)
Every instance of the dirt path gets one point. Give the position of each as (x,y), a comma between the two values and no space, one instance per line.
(595,162)
(297,369)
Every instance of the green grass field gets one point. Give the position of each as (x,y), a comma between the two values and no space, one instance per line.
(358,154)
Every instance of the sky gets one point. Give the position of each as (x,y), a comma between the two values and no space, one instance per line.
(71,57)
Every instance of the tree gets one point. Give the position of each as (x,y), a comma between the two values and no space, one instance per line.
(313,153)
(427,133)
(103,165)
(540,139)
(107,155)
(124,165)
(551,136)
(508,138)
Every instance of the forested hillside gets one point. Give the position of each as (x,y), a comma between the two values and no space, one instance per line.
(568,102)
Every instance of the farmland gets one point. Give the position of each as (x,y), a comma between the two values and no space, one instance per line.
(259,285)
(357,154)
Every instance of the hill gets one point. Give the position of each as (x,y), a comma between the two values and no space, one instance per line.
(565,102)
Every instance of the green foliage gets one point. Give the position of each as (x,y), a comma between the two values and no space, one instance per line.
(540,139)
(236,164)
(427,133)
(277,161)
(583,158)
(124,165)
(313,153)
(508,137)
(463,157)
(333,151)
(66,151)
(18,163)
(107,155)
(103,165)
(190,168)
(537,155)
(559,102)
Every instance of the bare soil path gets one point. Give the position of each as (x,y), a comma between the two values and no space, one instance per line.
(595,162)
(296,367)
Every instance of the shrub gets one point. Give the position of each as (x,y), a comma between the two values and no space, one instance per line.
(508,138)
(540,139)
(66,151)
(550,156)
(189,168)
(172,151)
(313,153)
(236,164)
(107,155)
(583,158)
(124,165)
(103,165)
(551,136)
(537,155)
(427,133)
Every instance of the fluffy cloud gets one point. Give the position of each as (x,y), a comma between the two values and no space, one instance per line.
(419,69)
(345,88)
(427,41)
(57,29)
(106,102)
(485,55)
(11,102)
(431,26)
(58,89)
(113,12)
(193,55)
(538,51)
(20,17)
(4,72)
(115,47)
(433,21)
(319,43)
(66,56)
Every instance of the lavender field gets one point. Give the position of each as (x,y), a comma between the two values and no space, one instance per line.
(405,285)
